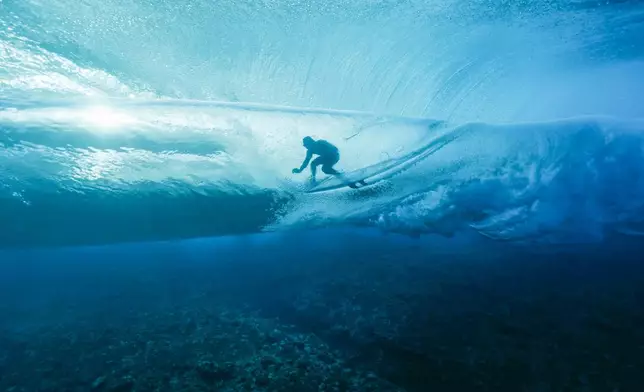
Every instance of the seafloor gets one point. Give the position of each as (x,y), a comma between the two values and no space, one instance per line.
(321,312)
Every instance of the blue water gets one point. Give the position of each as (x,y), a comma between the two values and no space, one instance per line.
(154,238)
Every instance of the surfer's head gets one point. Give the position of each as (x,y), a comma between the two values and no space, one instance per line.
(308,141)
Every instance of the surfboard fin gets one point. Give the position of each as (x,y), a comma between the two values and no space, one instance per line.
(354,185)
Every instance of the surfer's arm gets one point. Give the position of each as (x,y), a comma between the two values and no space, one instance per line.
(309,155)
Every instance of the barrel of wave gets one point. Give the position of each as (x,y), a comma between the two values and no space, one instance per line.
(260,143)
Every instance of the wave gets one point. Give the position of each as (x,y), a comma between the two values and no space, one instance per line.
(151,170)
(186,169)
(125,121)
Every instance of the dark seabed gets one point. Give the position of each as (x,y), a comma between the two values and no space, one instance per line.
(322,311)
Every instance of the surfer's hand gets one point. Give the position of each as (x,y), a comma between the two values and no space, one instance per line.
(296,171)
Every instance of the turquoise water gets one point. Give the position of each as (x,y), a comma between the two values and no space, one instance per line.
(110,106)
(146,195)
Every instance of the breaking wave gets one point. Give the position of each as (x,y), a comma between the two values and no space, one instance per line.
(129,121)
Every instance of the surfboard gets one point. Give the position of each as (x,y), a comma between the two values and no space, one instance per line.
(375,173)
(354,179)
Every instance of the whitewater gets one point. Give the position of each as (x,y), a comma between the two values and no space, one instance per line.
(125,121)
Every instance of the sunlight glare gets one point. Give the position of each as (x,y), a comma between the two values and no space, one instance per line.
(105,117)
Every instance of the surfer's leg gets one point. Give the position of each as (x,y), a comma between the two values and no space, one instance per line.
(326,169)
(328,163)
(314,166)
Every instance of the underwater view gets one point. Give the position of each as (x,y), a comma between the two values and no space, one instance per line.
(307,195)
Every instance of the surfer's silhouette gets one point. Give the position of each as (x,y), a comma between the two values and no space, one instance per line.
(329,155)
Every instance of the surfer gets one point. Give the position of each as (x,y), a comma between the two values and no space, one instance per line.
(329,155)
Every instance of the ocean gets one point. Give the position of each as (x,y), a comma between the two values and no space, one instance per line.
(155,238)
